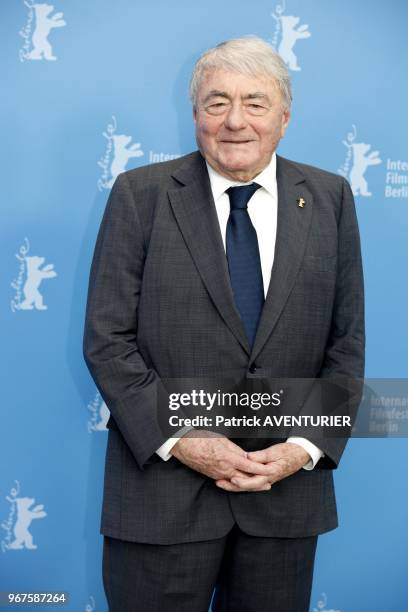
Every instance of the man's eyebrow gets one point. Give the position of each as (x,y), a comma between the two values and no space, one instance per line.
(256,95)
(215,93)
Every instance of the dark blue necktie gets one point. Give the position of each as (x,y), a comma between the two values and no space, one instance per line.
(244,261)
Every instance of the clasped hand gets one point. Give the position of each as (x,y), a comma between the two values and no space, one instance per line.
(234,469)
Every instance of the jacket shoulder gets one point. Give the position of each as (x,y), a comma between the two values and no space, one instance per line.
(152,174)
(145,189)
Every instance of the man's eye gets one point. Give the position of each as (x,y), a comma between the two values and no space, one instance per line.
(256,109)
(217,108)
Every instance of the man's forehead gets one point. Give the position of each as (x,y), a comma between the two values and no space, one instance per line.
(228,82)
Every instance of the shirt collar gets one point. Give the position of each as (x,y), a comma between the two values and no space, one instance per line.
(266,178)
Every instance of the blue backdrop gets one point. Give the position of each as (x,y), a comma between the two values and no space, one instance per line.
(94,88)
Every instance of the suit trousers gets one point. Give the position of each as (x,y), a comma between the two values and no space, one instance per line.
(249,574)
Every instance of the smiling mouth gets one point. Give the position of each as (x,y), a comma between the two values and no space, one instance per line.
(236,141)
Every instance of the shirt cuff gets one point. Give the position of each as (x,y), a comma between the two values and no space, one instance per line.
(164,450)
(314,452)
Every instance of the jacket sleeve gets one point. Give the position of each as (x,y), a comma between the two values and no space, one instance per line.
(342,371)
(130,389)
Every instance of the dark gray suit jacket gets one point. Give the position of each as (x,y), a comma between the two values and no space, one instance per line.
(160,305)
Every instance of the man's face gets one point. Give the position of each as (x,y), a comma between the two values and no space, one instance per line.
(239,122)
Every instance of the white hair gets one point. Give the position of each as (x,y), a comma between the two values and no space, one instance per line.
(249,55)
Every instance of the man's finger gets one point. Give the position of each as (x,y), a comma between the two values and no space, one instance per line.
(246,465)
(251,483)
(227,485)
(236,472)
(260,455)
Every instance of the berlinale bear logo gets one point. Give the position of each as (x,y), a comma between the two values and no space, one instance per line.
(117,154)
(30,276)
(36,44)
(35,275)
(23,538)
(287,31)
(358,159)
(18,522)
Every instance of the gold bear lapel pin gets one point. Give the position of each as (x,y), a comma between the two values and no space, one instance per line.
(301,202)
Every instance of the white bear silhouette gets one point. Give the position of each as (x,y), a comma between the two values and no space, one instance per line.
(104,415)
(24,517)
(43,25)
(289,37)
(122,154)
(321,605)
(34,277)
(361,161)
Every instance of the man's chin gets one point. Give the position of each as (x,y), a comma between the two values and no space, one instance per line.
(237,167)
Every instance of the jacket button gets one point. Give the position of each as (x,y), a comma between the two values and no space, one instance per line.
(253,368)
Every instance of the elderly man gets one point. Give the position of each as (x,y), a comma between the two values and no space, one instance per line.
(228,260)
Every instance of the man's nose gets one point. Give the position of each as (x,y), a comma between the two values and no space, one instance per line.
(235,118)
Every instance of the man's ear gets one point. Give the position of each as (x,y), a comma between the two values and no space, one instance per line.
(194,114)
(285,121)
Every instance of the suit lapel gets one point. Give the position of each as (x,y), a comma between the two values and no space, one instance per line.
(194,208)
(292,231)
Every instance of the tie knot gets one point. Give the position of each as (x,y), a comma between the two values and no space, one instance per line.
(240,196)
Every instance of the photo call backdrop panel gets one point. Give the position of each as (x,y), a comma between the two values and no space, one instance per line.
(91,89)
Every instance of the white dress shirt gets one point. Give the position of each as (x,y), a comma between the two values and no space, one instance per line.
(263,212)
